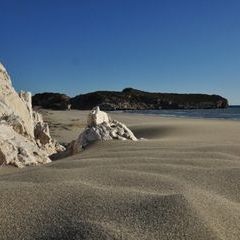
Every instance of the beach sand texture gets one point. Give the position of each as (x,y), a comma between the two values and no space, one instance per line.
(181,182)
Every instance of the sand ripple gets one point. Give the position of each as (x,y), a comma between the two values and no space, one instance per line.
(171,186)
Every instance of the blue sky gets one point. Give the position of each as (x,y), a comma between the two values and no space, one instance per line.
(77,46)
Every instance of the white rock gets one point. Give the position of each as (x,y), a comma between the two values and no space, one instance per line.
(96,117)
(18,150)
(24,137)
(44,139)
(100,128)
(27,98)
(11,103)
(16,123)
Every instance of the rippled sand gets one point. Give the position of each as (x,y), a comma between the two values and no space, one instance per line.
(181,182)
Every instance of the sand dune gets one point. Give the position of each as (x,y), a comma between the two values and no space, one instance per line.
(181,182)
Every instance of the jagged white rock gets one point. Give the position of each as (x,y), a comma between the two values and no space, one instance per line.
(100,128)
(27,98)
(15,122)
(17,150)
(11,103)
(43,137)
(24,137)
(96,117)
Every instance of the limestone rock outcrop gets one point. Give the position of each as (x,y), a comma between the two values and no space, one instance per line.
(11,103)
(96,117)
(17,150)
(24,137)
(43,137)
(100,128)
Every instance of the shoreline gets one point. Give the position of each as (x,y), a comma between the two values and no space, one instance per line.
(167,113)
(173,116)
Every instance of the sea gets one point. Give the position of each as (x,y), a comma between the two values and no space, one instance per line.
(230,113)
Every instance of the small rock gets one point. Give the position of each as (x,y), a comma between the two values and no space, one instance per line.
(100,128)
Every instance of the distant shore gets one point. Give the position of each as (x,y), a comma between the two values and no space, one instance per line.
(129,99)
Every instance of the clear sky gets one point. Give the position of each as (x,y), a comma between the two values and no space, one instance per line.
(77,46)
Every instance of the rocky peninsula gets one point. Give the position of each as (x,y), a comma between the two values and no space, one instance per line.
(129,99)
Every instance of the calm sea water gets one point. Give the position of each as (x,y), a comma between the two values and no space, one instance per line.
(231,113)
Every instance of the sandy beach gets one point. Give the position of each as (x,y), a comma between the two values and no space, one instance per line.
(182,181)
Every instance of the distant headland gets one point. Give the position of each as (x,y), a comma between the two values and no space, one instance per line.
(129,99)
